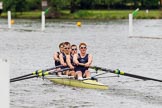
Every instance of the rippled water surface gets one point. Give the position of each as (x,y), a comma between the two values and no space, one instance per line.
(111,47)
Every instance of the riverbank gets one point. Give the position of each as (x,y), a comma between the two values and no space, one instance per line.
(92,14)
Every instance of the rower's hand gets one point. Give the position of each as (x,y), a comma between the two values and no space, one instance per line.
(71,67)
(77,63)
(64,64)
(86,64)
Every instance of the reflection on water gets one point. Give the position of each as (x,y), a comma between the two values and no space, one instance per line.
(111,47)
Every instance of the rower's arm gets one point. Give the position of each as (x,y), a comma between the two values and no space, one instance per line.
(68,61)
(89,61)
(56,57)
(62,60)
(76,59)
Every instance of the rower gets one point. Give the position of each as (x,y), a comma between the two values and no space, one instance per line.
(82,61)
(64,55)
(56,57)
(69,59)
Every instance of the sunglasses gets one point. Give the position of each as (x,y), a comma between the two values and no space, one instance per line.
(83,47)
(61,47)
(66,48)
(74,49)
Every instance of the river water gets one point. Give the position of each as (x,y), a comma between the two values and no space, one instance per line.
(28,49)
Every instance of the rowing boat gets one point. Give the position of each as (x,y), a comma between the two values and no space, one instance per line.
(86,83)
(65,80)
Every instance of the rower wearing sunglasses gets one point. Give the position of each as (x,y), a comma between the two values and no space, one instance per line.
(82,61)
(64,55)
(69,59)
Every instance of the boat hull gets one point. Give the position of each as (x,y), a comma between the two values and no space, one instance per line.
(90,84)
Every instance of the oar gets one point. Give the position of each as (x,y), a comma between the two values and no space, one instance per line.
(117,71)
(36,72)
(40,74)
(93,77)
(29,77)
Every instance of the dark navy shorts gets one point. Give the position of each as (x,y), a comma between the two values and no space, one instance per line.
(82,69)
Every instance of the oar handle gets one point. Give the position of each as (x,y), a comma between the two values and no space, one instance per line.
(81,64)
(53,68)
(61,70)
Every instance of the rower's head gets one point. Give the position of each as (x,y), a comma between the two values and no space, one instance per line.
(83,47)
(73,49)
(61,47)
(67,47)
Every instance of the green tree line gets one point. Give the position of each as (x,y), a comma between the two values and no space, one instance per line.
(74,5)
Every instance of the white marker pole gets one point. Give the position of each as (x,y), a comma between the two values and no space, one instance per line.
(9,19)
(130,24)
(4,83)
(43,20)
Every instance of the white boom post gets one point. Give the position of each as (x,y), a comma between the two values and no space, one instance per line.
(4,83)
(43,20)
(130,24)
(9,19)
(134,13)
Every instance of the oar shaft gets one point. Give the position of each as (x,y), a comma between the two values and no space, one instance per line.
(36,72)
(42,74)
(141,77)
(123,73)
(52,68)
(22,78)
(100,74)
